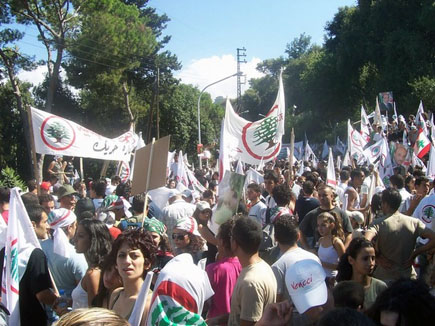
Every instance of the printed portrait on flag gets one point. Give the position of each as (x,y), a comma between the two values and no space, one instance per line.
(386,102)
(401,155)
(231,187)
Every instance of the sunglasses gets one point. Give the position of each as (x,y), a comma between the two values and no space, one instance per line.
(178,236)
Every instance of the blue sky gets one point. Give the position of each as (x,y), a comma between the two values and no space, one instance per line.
(206,33)
(206,28)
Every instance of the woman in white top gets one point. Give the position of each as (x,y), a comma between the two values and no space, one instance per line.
(94,241)
(331,246)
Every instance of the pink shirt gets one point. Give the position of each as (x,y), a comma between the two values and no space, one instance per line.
(5,215)
(223,277)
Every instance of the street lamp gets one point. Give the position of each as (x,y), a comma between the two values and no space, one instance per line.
(199,102)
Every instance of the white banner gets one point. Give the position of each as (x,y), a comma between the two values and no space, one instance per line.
(58,136)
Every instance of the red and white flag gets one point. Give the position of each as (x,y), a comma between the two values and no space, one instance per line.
(20,242)
(179,294)
(181,171)
(422,144)
(252,142)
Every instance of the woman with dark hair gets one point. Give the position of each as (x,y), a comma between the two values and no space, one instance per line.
(135,253)
(109,281)
(187,239)
(406,302)
(357,264)
(94,241)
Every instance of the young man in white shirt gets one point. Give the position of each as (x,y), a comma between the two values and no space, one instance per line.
(257,209)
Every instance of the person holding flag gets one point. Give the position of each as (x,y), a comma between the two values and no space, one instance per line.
(26,282)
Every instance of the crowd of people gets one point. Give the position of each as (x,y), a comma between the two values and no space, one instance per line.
(297,251)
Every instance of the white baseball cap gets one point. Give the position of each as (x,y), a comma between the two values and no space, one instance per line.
(305,281)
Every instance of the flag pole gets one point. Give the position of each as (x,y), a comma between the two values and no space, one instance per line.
(292,152)
(145,202)
(32,145)
(81,169)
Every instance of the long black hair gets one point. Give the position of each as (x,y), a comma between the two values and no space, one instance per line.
(344,267)
(101,241)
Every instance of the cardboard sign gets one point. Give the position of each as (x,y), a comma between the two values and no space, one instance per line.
(150,166)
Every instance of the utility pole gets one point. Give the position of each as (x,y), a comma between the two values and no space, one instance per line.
(158,100)
(241,53)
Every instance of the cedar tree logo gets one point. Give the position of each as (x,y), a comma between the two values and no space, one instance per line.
(259,137)
(57,133)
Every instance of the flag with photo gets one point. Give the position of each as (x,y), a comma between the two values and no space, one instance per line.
(385,165)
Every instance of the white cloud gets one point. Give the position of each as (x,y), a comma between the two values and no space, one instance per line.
(205,71)
(35,76)
(200,73)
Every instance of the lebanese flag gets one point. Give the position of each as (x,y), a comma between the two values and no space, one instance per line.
(330,176)
(422,144)
(20,242)
(179,294)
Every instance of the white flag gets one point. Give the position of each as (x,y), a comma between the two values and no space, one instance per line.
(395,116)
(224,149)
(346,160)
(239,168)
(356,142)
(373,152)
(181,171)
(330,176)
(377,119)
(20,242)
(253,176)
(309,154)
(365,125)
(430,172)
(252,141)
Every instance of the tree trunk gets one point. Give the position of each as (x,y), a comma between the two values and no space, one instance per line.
(127,105)
(21,108)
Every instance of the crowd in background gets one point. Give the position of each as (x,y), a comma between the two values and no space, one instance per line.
(297,250)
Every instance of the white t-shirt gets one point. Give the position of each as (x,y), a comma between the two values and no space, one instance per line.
(425,212)
(258,212)
(405,195)
(281,266)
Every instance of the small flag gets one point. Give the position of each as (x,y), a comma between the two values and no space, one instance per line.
(422,144)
